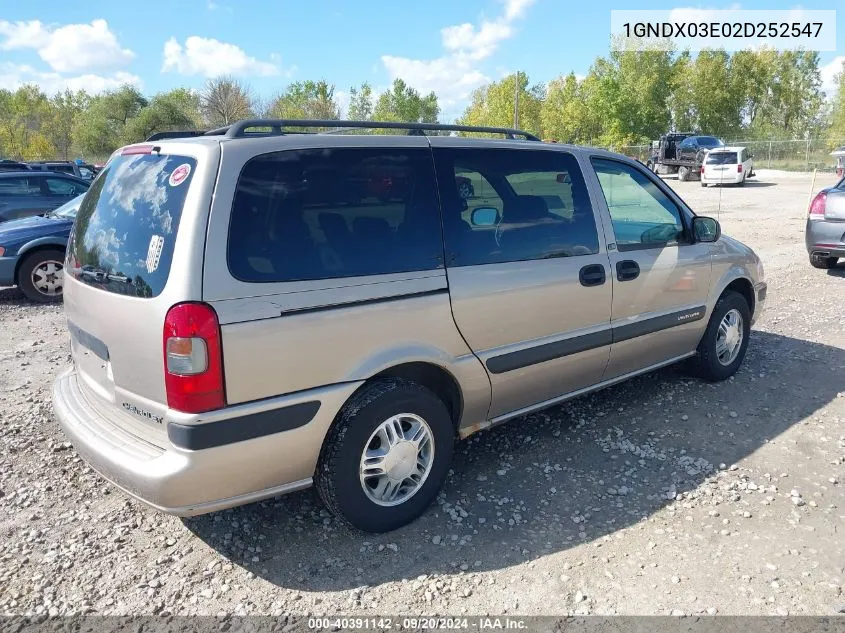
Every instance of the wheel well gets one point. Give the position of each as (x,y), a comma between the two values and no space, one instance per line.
(743,287)
(40,247)
(434,378)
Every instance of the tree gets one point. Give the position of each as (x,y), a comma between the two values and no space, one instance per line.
(836,133)
(493,105)
(65,108)
(24,118)
(360,103)
(177,109)
(403,103)
(225,100)
(562,113)
(306,100)
(103,127)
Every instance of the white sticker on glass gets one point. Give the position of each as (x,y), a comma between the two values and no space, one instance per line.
(154,252)
(178,175)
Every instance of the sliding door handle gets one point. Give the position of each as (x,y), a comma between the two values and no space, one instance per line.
(592,275)
(627,269)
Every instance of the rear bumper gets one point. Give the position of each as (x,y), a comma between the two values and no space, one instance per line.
(246,459)
(826,237)
(726,179)
(7,270)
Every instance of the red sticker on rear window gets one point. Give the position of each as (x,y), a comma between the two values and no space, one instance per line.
(178,176)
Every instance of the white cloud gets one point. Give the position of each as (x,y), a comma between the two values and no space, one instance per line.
(828,73)
(69,48)
(211,58)
(13,76)
(455,74)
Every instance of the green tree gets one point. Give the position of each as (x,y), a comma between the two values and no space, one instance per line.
(306,100)
(25,115)
(360,103)
(174,110)
(562,111)
(493,105)
(102,129)
(65,109)
(836,132)
(403,103)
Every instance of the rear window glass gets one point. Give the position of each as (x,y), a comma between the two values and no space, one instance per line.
(330,213)
(722,158)
(22,186)
(126,226)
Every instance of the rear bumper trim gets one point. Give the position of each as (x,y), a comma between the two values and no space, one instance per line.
(196,437)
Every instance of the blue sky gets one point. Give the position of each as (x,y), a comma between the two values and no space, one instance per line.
(448,46)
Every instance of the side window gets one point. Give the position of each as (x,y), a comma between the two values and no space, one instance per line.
(642,215)
(21,186)
(62,187)
(534,205)
(331,213)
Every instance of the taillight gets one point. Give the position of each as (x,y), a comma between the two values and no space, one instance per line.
(136,149)
(702,169)
(193,358)
(739,168)
(817,206)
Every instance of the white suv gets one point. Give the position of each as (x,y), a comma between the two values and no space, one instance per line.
(726,165)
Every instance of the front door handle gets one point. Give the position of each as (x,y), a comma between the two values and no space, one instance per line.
(592,275)
(627,269)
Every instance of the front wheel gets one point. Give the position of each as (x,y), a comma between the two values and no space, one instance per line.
(723,346)
(386,455)
(41,276)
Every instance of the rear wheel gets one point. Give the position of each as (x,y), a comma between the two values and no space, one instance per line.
(386,455)
(725,341)
(41,276)
(822,261)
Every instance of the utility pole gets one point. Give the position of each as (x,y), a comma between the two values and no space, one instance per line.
(516,101)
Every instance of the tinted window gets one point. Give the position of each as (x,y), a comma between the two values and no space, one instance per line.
(722,158)
(642,214)
(542,209)
(20,186)
(126,225)
(709,141)
(687,143)
(331,213)
(62,187)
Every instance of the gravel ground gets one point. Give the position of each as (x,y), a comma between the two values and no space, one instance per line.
(660,496)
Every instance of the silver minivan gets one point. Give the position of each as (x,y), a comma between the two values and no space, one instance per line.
(253,311)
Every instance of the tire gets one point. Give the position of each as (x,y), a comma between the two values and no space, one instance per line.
(703,184)
(339,480)
(683,174)
(822,261)
(708,365)
(37,275)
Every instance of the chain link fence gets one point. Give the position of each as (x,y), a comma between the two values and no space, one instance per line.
(790,155)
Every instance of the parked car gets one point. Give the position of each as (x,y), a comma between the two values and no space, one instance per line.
(12,165)
(85,172)
(27,193)
(239,333)
(726,165)
(824,235)
(32,252)
(695,147)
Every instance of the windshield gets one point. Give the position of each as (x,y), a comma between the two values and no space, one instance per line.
(709,141)
(127,224)
(68,209)
(722,158)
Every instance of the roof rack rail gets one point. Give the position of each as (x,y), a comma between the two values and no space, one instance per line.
(158,136)
(239,128)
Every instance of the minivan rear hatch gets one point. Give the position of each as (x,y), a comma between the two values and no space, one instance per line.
(120,281)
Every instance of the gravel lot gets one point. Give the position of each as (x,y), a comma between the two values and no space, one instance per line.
(660,496)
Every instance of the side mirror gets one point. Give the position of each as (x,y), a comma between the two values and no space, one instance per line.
(564,179)
(484,216)
(706,229)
